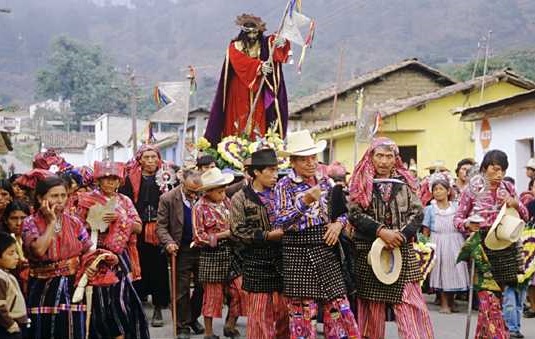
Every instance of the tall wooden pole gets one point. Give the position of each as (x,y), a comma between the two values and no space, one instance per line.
(133,107)
(335,101)
(358,115)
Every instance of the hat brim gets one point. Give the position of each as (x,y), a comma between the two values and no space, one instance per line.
(374,259)
(225,179)
(317,148)
(491,240)
(439,168)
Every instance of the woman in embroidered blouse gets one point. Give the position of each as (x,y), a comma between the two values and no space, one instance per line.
(447,277)
(116,309)
(53,242)
(14,215)
(485,200)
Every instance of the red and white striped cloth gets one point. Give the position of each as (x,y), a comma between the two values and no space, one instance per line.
(412,316)
(212,302)
(268,316)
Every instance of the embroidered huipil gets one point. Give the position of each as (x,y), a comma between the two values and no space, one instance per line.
(209,219)
(71,241)
(486,204)
(292,213)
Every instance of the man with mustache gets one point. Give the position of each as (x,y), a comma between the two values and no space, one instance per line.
(246,61)
(384,204)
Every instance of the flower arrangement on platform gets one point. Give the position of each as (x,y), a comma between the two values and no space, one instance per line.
(233,150)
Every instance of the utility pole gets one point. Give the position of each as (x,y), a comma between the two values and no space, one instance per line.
(133,106)
(335,100)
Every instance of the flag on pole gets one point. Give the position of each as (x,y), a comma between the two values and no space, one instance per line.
(192,76)
(376,124)
(160,97)
(294,25)
(150,138)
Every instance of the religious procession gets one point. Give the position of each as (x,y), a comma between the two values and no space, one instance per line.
(260,230)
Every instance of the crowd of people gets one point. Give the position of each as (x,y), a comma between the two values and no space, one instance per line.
(81,249)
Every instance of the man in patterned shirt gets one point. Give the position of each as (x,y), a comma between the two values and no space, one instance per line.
(311,267)
(384,204)
(252,215)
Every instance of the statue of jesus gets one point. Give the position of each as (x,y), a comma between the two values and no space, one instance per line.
(247,61)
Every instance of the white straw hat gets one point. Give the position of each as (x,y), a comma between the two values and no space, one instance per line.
(506,229)
(215,178)
(386,264)
(300,143)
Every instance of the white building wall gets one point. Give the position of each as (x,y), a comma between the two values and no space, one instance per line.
(76,159)
(514,135)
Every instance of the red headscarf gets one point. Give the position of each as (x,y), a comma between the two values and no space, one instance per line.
(31,178)
(134,167)
(49,158)
(361,182)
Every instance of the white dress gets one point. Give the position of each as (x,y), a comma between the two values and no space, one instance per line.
(447,275)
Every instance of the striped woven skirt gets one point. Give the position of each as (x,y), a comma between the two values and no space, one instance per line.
(50,309)
(116,310)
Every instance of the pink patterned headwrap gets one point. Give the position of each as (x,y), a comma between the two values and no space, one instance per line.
(361,182)
(49,158)
(336,170)
(30,178)
(133,167)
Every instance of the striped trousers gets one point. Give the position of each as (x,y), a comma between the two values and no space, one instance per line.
(338,320)
(267,316)
(412,316)
(212,301)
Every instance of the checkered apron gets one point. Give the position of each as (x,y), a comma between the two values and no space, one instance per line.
(505,264)
(262,269)
(311,269)
(369,287)
(214,263)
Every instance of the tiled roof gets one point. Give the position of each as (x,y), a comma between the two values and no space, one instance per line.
(503,106)
(65,140)
(392,107)
(299,104)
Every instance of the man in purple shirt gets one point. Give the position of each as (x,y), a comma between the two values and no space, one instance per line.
(311,267)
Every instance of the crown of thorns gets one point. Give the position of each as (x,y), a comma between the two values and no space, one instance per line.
(249,22)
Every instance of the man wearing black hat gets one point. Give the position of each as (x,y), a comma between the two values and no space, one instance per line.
(252,216)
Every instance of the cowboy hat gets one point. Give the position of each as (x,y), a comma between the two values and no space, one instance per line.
(437,165)
(531,163)
(506,229)
(386,264)
(215,178)
(300,143)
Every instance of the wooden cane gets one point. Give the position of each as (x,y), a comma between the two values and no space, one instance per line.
(173,293)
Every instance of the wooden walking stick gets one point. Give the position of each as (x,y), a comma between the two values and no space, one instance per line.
(173,293)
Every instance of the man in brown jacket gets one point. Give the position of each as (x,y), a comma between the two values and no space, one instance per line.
(175,232)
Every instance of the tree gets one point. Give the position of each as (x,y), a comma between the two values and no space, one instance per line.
(521,61)
(84,76)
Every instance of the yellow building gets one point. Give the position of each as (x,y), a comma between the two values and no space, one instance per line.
(425,126)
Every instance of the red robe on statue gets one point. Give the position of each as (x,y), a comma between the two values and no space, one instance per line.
(242,89)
